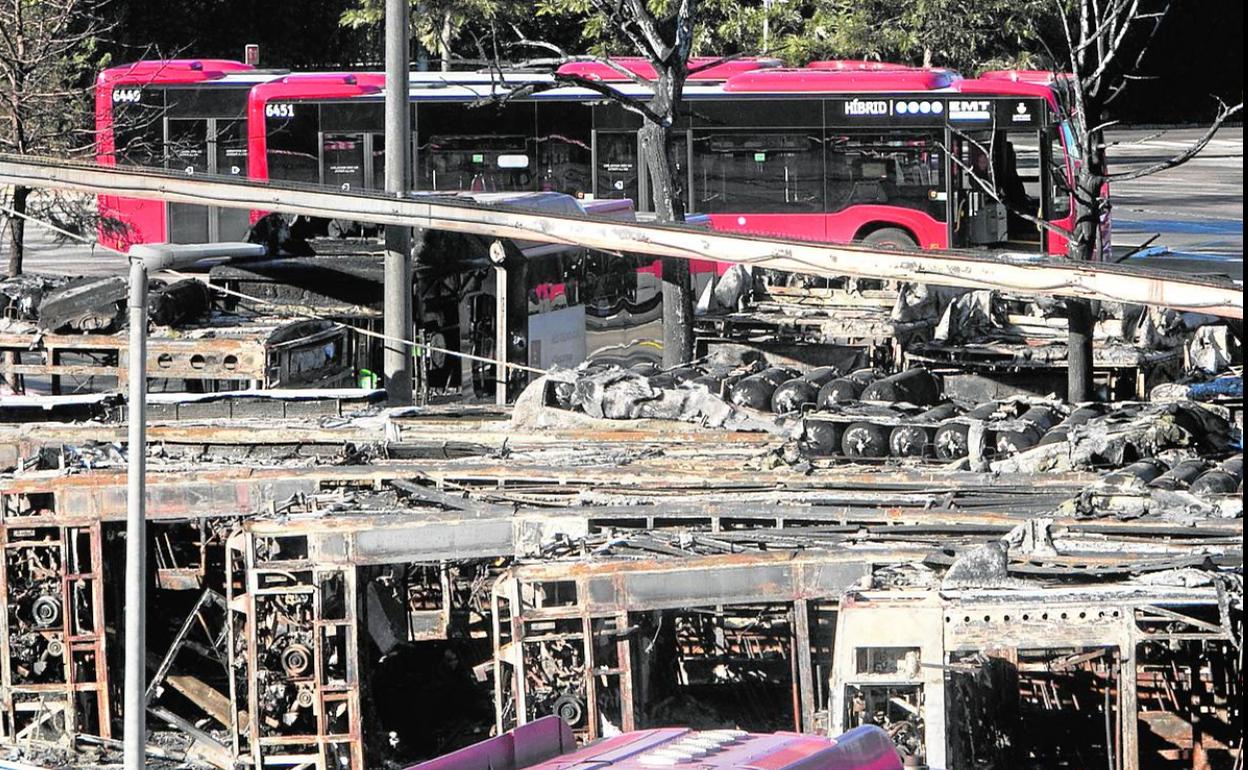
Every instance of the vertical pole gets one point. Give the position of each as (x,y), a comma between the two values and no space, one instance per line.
(501,370)
(134,700)
(398,258)
(1079,350)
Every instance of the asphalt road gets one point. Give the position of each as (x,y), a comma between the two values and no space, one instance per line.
(1196,211)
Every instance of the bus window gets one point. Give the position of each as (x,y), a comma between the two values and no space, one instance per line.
(563,148)
(1018,178)
(187,152)
(231,160)
(378,162)
(617,165)
(886,170)
(757,171)
(138,129)
(477,149)
(1059,188)
(292,144)
(342,161)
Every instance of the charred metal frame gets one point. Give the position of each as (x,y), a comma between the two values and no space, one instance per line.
(53,663)
(578,603)
(936,632)
(258,355)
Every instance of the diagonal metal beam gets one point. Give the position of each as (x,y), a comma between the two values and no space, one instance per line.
(1032,275)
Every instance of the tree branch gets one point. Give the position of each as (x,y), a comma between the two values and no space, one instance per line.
(1190,152)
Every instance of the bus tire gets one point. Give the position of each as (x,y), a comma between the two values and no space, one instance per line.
(891,238)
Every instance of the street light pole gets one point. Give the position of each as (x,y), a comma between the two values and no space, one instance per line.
(397,360)
(161,256)
(134,700)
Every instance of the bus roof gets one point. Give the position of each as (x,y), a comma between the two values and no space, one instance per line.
(857,64)
(702,68)
(184,71)
(338,87)
(842,80)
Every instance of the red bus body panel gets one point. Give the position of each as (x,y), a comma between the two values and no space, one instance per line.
(839,81)
(857,64)
(315,85)
(705,66)
(838,227)
(143,221)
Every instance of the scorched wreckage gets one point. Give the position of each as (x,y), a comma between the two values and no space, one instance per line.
(864,511)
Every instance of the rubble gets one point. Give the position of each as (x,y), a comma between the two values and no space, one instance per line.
(821,522)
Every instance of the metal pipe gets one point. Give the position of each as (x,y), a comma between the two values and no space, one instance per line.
(397,362)
(134,698)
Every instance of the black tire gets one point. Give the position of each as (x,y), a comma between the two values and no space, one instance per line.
(890,237)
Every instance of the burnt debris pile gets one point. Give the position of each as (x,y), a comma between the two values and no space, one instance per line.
(858,504)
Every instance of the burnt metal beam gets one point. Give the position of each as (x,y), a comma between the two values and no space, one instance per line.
(1038,276)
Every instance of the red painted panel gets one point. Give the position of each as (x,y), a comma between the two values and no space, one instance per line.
(839,81)
(641,67)
(857,64)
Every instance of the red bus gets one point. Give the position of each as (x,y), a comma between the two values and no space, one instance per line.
(184,114)
(831,152)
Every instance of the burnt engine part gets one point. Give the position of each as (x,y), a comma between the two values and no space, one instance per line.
(916,440)
(85,305)
(1036,422)
(865,439)
(793,395)
(913,386)
(22,294)
(1180,475)
(179,302)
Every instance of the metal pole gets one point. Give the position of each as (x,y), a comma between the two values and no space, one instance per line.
(501,371)
(397,365)
(135,698)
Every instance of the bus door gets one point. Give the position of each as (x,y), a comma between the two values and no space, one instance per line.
(206,146)
(231,160)
(998,180)
(616,167)
(187,151)
(343,161)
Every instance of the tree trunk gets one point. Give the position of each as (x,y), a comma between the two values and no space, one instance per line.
(656,143)
(1084,247)
(17,231)
(445,34)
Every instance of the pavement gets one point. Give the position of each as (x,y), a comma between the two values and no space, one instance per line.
(1196,210)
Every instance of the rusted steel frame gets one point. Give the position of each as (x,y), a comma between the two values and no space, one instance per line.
(774,578)
(7,727)
(166,357)
(72,642)
(1036,275)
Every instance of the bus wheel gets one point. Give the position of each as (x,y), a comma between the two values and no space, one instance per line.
(891,238)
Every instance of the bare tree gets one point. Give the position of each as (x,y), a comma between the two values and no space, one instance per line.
(665,40)
(1102,45)
(47,60)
